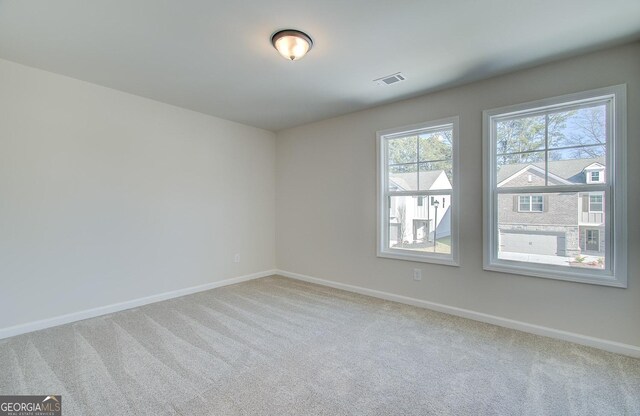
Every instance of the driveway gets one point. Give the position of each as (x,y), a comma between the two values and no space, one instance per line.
(535,258)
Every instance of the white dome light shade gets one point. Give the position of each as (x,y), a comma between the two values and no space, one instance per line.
(292,44)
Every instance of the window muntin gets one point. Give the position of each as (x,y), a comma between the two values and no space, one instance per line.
(595,176)
(417,203)
(546,147)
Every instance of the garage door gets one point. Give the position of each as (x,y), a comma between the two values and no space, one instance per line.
(532,243)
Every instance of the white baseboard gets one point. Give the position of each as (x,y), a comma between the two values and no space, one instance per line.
(116,307)
(603,344)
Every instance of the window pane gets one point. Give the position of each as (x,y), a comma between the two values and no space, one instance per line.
(436,175)
(436,145)
(521,170)
(555,234)
(520,134)
(403,177)
(585,126)
(415,227)
(568,166)
(537,204)
(402,150)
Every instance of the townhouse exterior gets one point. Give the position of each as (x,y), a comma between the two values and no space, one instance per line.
(566,224)
(418,220)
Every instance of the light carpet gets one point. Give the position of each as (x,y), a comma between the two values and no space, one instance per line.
(276,346)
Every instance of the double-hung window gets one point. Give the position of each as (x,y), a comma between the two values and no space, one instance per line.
(418,192)
(554,184)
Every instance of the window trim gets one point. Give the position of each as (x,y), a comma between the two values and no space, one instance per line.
(595,172)
(616,242)
(381,233)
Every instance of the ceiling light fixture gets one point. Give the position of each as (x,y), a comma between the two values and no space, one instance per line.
(292,44)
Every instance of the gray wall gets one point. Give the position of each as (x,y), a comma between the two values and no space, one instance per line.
(107,197)
(326,199)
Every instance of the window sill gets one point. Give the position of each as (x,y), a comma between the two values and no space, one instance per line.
(421,257)
(542,271)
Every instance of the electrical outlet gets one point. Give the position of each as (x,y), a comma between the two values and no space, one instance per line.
(236,258)
(417,274)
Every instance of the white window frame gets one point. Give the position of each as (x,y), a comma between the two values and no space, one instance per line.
(530,210)
(614,188)
(601,203)
(595,172)
(383,194)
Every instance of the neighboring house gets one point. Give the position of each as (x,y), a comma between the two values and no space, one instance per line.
(413,219)
(566,224)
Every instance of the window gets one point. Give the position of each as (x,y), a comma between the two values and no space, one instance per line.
(595,203)
(595,173)
(561,161)
(417,192)
(530,203)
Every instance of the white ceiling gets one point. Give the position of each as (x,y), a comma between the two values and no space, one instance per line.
(215,56)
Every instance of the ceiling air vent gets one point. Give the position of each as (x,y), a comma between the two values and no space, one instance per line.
(390,79)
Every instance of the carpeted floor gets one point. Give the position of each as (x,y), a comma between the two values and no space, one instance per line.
(276,346)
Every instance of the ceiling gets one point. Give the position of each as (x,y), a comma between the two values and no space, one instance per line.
(215,56)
